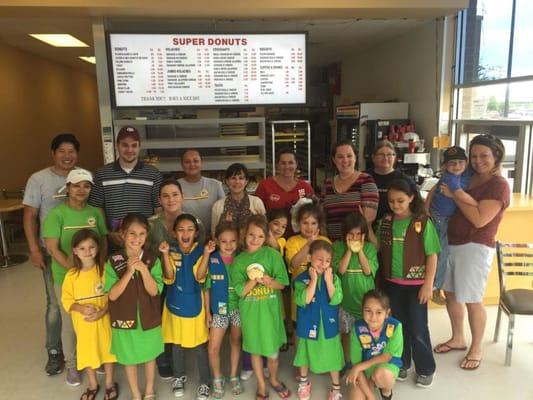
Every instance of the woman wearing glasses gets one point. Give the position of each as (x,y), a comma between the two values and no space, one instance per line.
(383,172)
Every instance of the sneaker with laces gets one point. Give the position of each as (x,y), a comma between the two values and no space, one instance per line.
(246,374)
(304,390)
(424,381)
(402,376)
(55,363)
(203,392)
(334,394)
(178,386)
(73,377)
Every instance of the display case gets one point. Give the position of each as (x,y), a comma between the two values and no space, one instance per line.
(221,141)
(295,134)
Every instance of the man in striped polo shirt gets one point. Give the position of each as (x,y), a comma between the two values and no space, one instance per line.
(125,185)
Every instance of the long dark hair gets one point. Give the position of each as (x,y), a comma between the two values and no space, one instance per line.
(409,188)
(81,236)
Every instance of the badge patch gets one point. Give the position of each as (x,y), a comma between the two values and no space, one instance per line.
(390,330)
(274,197)
(418,226)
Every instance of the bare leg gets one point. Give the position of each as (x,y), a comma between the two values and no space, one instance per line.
(346,346)
(131,374)
(273,364)
(108,368)
(91,375)
(235,349)
(216,335)
(477,318)
(384,380)
(149,373)
(456,312)
(257,366)
(304,371)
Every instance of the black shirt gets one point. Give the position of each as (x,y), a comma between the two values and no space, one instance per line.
(383,182)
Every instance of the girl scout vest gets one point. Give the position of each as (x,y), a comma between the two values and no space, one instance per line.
(414,255)
(374,347)
(219,291)
(123,310)
(184,296)
(308,317)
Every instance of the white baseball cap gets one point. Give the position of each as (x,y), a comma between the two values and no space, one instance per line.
(79,175)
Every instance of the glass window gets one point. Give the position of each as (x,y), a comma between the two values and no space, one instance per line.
(482,102)
(488,32)
(521,100)
(522,45)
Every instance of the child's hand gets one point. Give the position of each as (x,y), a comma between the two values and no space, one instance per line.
(131,264)
(164,247)
(313,274)
(95,316)
(209,247)
(88,309)
(363,237)
(445,190)
(425,293)
(351,377)
(140,266)
(328,275)
(267,280)
(208,317)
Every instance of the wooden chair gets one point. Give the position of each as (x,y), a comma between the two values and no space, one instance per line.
(13,221)
(515,272)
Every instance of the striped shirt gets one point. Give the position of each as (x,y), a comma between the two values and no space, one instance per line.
(363,192)
(118,192)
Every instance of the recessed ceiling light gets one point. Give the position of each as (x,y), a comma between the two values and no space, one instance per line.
(59,40)
(91,59)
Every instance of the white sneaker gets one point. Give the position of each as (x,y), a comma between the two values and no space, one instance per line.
(246,374)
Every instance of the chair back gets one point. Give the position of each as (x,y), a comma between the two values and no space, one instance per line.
(6,194)
(515,265)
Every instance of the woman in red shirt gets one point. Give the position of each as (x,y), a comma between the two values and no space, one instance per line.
(471,236)
(284,189)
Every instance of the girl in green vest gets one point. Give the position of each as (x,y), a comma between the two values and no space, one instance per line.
(408,249)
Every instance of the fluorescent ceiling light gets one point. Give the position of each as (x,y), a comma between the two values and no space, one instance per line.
(91,59)
(59,40)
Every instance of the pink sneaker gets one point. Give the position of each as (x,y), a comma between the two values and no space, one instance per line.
(335,394)
(304,390)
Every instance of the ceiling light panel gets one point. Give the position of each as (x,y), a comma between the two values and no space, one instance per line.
(59,40)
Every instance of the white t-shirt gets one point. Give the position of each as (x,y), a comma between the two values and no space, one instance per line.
(200,196)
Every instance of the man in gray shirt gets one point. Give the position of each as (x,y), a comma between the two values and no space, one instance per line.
(45,190)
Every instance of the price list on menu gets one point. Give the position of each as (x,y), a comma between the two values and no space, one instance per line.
(162,70)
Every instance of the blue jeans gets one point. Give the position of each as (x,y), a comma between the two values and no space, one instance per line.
(441,224)
(414,318)
(53,313)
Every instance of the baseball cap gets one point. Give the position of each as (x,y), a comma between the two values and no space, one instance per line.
(79,175)
(128,131)
(454,153)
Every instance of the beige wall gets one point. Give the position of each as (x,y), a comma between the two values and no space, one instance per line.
(39,99)
(403,69)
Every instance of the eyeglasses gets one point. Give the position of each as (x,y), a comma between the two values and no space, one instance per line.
(388,155)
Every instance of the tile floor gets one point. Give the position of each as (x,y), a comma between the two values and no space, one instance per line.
(22,356)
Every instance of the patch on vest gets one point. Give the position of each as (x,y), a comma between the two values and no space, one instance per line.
(122,324)
(214,260)
(390,330)
(416,272)
(366,341)
(418,226)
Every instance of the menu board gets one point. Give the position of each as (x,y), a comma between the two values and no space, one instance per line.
(208,69)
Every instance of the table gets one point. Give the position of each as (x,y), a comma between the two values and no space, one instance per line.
(7,260)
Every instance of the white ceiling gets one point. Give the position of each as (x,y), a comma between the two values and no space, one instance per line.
(328,40)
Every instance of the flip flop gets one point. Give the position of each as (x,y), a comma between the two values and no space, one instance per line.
(282,390)
(260,396)
(444,348)
(474,360)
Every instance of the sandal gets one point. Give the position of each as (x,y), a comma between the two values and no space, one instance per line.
(236,387)
(112,392)
(150,396)
(282,390)
(259,396)
(218,387)
(90,394)
(389,397)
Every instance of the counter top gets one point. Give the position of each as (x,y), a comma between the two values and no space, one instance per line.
(520,202)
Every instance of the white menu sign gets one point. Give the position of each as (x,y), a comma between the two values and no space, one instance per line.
(208,70)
